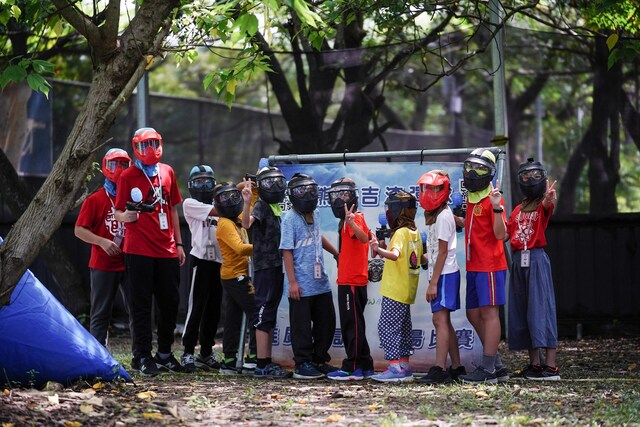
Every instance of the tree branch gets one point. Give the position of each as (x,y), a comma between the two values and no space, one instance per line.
(79,21)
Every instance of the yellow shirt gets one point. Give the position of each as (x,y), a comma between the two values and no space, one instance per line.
(400,277)
(234,249)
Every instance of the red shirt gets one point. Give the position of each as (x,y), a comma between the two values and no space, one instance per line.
(144,236)
(97,214)
(487,252)
(528,227)
(353,260)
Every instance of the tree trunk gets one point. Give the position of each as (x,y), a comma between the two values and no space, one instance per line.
(119,65)
(17,197)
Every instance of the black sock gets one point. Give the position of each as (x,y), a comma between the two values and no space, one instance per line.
(262,363)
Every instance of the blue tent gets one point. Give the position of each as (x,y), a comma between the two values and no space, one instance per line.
(41,341)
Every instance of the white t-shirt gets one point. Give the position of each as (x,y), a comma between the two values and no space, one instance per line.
(443,229)
(203,228)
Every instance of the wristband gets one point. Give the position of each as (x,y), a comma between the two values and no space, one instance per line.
(179,244)
(500,210)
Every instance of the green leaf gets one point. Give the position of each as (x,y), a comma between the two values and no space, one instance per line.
(208,80)
(42,67)
(251,25)
(231,86)
(16,12)
(611,41)
(38,83)
(14,73)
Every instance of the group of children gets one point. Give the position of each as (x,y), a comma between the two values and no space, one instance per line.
(244,249)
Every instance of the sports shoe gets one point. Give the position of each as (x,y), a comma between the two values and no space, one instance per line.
(250,362)
(341,375)
(325,368)
(272,370)
(228,367)
(368,373)
(457,372)
(521,374)
(170,364)
(543,373)
(306,371)
(207,363)
(436,375)
(480,375)
(146,365)
(188,363)
(502,374)
(394,373)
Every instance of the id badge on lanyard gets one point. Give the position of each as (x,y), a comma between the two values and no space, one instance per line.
(525,258)
(317,270)
(164,222)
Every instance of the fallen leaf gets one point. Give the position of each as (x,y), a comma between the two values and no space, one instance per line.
(6,392)
(86,408)
(558,403)
(54,400)
(98,386)
(515,406)
(374,407)
(95,400)
(334,418)
(275,396)
(146,395)
(632,367)
(302,402)
(72,424)
(481,394)
(7,425)
(152,415)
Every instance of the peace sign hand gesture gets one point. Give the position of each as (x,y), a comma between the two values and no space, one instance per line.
(349,216)
(246,190)
(495,195)
(550,194)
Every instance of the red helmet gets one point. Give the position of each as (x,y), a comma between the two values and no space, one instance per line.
(147,146)
(114,162)
(434,189)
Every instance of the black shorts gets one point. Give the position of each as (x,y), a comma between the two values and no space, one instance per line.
(268,284)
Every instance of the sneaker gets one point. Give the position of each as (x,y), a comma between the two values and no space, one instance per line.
(502,374)
(522,373)
(457,372)
(306,371)
(208,363)
(394,373)
(228,367)
(188,363)
(325,368)
(368,373)
(480,375)
(146,365)
(436,375)
(170,364)
(250,362)
(272,370)
(543,373)
(341,375)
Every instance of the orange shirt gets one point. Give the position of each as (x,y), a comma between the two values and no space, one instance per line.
(353,260)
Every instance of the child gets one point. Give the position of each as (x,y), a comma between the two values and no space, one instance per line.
(485,230)
(311,313)
(97,225)
(238,289)
(532,305)
(263,220)
(352,280)
(443,291)
(205,292)
(398,286)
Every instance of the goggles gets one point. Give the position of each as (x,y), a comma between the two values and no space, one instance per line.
(345,195)
(532,174)
(275,183)
(143,145)
(432,188)
(229,198)
(303,190)
(113,164)
(472,166)
(203,183)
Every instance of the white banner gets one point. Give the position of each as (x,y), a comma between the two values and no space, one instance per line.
(375,181)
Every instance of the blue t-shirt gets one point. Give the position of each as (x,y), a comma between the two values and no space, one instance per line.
(305,241)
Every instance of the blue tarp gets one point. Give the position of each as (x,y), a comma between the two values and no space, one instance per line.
(41,341)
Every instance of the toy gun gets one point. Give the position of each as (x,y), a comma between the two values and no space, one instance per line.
(382,232)
(136,203)
(423,236)
(456,207)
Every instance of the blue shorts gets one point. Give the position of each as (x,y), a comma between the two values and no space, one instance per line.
(486,288)
(448,293)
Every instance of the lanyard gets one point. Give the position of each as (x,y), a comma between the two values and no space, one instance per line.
(157,191)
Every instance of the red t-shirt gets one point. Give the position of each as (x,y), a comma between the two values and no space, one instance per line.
(528,227)
(487,252)
(97,214)
(144,236)
(353,260)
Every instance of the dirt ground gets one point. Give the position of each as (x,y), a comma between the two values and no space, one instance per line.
(600,386)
